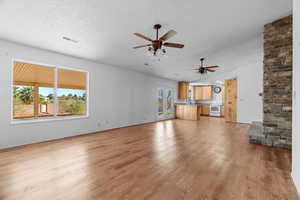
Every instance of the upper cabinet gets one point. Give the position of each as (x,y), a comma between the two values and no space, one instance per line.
(198,94)
(183,89)
(202,92)
(207,92)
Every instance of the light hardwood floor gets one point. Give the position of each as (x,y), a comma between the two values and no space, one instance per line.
(202,160)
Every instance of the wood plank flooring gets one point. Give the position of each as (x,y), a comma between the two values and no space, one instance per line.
(177,159)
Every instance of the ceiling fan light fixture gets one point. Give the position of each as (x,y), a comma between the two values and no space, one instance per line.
(159,53)
(156,47)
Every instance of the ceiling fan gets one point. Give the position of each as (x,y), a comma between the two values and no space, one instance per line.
(204,70)
(156,45)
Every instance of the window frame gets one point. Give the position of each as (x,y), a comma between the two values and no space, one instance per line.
(55,117)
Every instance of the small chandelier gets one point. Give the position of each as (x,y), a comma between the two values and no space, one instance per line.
(156,54)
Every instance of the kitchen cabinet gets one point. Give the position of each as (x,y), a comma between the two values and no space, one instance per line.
(197,93)
(183,89)
(202,92)
(188,112)
(179,111)
(205,110)
(206,93)
(222,111)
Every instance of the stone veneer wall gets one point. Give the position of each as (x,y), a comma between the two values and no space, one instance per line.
(277,98)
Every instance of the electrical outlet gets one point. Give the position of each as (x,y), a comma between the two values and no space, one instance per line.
(99,124)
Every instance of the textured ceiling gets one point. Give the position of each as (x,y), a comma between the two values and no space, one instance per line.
(103,29)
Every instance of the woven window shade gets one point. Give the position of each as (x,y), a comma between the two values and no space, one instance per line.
(42,76)
(33,75)
(70,79)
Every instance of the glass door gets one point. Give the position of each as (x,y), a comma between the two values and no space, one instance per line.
(165,98)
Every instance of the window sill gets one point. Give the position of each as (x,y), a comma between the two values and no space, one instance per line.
(50,119)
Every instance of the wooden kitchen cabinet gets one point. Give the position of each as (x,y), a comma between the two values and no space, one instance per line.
(183,89)
(222,111)
(197,93)
(205,110)
(206,93)
(202,92)
(179,111)
(187,112)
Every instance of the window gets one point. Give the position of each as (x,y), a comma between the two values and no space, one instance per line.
(48,92)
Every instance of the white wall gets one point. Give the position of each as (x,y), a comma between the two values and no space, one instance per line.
(296,104)
(118,97)
(250,84)
(250,81)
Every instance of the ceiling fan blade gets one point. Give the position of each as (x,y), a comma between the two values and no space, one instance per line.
(168,35)
(174,45)
(210,70)
(144,37)
(141,46)
(216,66)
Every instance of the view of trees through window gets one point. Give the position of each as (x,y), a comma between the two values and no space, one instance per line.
(23,101)
(34,93)
(71,101)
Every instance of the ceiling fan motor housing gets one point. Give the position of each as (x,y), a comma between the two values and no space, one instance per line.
(202,70)
(157,44)
(157,26)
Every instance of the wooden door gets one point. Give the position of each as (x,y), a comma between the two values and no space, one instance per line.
(183,88)
(230,100)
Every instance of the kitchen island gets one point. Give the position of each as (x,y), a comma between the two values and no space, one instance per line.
(188,111)
(193,111)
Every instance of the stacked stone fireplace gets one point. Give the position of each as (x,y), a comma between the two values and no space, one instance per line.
(276,129)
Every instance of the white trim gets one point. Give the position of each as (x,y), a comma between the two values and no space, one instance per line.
(296,184)
(55,92)
(55,118)
(49,119)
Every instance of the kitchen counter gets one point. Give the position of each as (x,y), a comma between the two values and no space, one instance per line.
(188,104)
(198,104)
(193,111)
(188,111)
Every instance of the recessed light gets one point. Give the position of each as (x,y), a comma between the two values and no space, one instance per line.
(70,39)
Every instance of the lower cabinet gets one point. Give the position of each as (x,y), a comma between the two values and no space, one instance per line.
(222,111)
(205,110)
(194,112)
(188,112)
